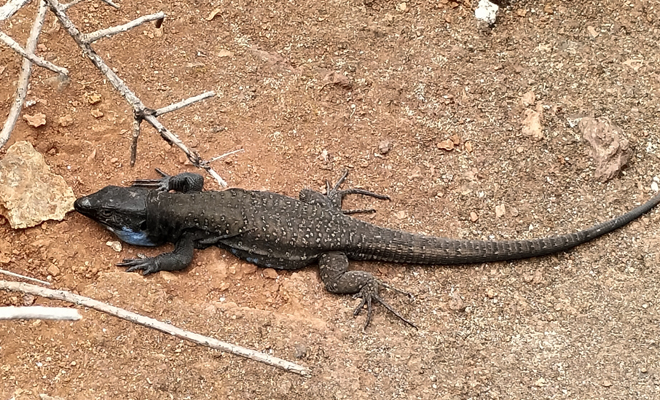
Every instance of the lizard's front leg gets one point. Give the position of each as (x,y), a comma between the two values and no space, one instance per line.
(338,279)
(334,196)
(174,261)
(185,182)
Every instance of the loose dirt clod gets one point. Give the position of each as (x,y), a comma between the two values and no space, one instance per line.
(35,120)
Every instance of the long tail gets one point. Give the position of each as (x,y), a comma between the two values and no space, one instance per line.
(396,246)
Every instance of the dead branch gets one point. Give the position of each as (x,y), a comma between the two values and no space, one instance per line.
(15,275)
(39,312)
(70,4)
(220,157)
(140,111)
(90,38)
(30,55)
(10,8)
(183,103)
(154,324)
(22,87)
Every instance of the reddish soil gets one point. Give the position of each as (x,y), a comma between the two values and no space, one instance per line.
(308,89)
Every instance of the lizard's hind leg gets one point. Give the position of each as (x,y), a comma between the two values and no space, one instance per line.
(338,279)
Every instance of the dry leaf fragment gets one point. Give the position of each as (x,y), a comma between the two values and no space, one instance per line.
(36,120)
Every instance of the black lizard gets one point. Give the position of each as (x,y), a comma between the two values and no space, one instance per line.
(276,231)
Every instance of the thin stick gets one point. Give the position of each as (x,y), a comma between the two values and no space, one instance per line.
(183,103)
(38,312)
(30,55)
(22,87)
(220,157)
(110,3)
(134,141)
(90,38)
(10,8)
(71,4)
(15,275)
(215,175)
(154,324)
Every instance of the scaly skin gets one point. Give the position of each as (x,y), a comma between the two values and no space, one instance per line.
(276,231)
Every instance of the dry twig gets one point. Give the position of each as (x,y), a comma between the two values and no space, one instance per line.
(154,324)
(15,275)
(22,87)
(39,312)
(10,8)
(30,55)
(89,38)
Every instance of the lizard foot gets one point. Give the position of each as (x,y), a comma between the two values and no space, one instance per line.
(148,265)
(368,294)
(184,182)
(336,195)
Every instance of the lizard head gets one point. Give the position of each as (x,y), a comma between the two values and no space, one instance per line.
(122,210)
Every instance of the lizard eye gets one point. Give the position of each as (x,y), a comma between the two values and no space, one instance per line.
(106,213)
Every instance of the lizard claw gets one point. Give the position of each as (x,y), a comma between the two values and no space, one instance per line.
(368,294)
(147,265)
(336,195)
(162,185)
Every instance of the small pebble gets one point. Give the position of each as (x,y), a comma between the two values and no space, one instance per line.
(65,120)
(384,147)
(114,245)
(446,145)
(270,273)
(53,270)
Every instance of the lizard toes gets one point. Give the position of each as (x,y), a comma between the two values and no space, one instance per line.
(136,264)
(368,294)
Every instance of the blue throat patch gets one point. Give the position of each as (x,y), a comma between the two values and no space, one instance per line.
(135,238)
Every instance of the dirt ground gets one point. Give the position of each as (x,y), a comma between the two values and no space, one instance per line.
(308,89)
